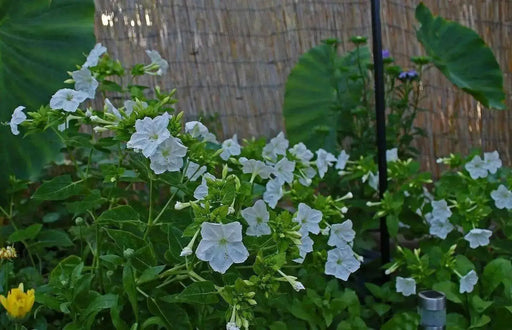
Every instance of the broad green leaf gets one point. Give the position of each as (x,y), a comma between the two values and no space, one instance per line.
(39,42)
(130,287)
(150,274)
(108,300)
(27,233)
(450,290)
(496,272)
(119,214)
(456,321)
(90,201)
(483,320)
(402,321)
(58,188)
(462,56)
(52,237)
(195,293)
(480,305)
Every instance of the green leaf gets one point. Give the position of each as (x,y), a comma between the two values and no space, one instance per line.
(480,305)
(108,300)
(462,56)
(24,234)
(90,201)
(39,42)
(150,274)
(450,289)
(195,293)
(402,321)
(58,188)
(51,238)
(483,320)
(130,287)
(496,272)
(456,321)
(118,214)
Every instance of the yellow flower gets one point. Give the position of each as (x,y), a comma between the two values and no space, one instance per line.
(8,253)
(18,303)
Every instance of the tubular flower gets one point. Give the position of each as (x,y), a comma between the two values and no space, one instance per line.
(7,253)
(18,303)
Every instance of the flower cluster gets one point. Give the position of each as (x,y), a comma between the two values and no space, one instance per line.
(7,253)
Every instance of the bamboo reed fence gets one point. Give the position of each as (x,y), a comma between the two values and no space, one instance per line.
(229,59)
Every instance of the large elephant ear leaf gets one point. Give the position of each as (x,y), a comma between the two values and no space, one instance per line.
(310,95)
(462,56)
(39,42)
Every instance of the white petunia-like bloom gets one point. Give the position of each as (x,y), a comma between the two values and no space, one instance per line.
(341,263)
(502,197)
(149,133)
(440,209)
(158,61)
(18,116)
(232,326)
(392,155)
(306,174)
(324,159)
(283,170)
(168,156)
(85,82)
(110,108)
(405,285)
(202,190)
(468,281)
(129,105)
(476,168)
(221,245)
(308,218)
(478,237)
(94,56)
(273,192)
(230,147)
(194,171)
(276,146)
(305,247)
(255,167)
(492,161)
(341,234)
(197,130)
(342,160)
(373,180)
(257,217)
(67,99)
(439,227)
(302,153)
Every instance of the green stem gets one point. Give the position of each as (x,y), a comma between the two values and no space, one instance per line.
(150,212)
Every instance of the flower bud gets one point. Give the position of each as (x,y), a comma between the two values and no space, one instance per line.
(128,253)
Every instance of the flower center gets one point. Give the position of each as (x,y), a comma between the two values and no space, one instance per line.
(223,241)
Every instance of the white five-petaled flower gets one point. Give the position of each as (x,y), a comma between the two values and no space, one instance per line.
(468,281)
(283,170)
(392,155)
(373,180)
(324,159)
(110,108)
(202,190)
(342,160)
(232,326)
(194,171)
(476,168)
(341,234)
(406,286)
(85,82)
(341,262)
(94,56)
(440,209)
(221,245)
(158,62)
(197,130)
(273,192)
(168,156)
(255,167)
(17,118)
(306,246)
(230,147)
(478,237)
(439,227)
(308,218)
(257,217)
(129,105)
(149,133)
(492,161)
(276,146)
(67,99)
(302,153)
(306,174)
(502,197)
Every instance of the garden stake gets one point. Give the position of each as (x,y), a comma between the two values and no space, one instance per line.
(432,310)
(381,123)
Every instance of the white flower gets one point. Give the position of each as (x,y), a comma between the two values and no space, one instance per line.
(17,118)
(373,180)
(110,108)
(158,61)
(341,162)
(202,190)
(406,286)
(502,197)
(85,82)
(94,56)
(194,171)
(257,217)
(221,245)
(273,192)
(230,147)
(130,104)
(302,153)
(341,234)
(478,237)
(67,99)
(324,159)
(168,156)
(476,168)
(255,167)
(308,219)
(297,286)
(439,227)
(283,170)
(306,174)
(306,246)
(276,146)
(231,326)
(199,131)
(492,161)
(186,251)
(392,155)
(468,281)
(440,209)
(149,133)
(341,263)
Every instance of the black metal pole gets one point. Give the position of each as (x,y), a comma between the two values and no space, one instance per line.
(380,110)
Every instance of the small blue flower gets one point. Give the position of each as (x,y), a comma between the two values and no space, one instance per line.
(385,54)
